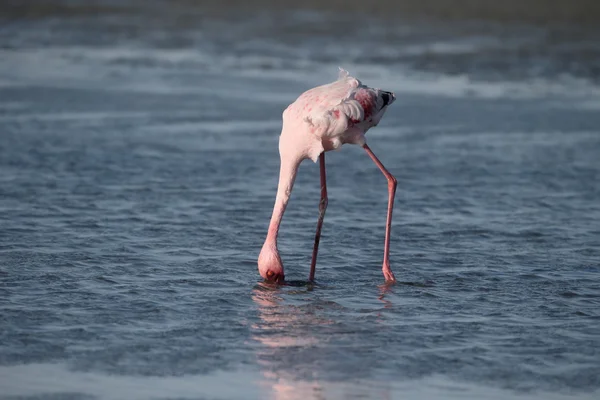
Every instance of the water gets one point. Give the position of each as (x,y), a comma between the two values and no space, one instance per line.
(138,159)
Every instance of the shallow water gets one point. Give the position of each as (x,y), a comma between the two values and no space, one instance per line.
(138,161)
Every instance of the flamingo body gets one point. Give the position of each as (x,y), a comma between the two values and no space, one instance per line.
(323,119)
(332,115)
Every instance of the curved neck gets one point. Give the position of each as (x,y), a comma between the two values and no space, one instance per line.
(287,176)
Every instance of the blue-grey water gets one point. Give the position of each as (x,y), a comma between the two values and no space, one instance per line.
(138,169)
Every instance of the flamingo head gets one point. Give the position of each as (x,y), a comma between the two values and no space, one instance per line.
(270,266)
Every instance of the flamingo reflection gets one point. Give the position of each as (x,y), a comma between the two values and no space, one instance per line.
(284,333)
(292,336)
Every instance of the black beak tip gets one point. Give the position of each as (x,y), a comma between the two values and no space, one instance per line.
(388,98)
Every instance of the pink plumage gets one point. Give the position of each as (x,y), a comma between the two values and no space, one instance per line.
(323,119)
(337,113)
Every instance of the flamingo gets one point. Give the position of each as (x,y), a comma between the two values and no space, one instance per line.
(320,120)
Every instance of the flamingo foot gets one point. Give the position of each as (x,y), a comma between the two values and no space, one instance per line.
(388,274)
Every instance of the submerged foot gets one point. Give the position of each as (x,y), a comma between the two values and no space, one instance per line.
(388,274)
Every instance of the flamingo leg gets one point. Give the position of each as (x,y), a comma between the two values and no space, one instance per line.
(322,208)
(392,183)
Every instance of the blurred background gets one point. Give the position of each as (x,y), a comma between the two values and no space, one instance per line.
(138,170)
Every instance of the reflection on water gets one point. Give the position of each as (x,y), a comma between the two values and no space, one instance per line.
(384,290)
(283,330)
(288,348)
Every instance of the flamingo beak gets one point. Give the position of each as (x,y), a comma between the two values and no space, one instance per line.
(275,278)
(388,98)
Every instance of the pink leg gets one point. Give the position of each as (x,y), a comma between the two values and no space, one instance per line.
(392,183)
(322,208)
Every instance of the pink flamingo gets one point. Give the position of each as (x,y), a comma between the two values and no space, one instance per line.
(320,120)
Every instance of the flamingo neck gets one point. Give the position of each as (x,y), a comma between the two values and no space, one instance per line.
(287,176)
